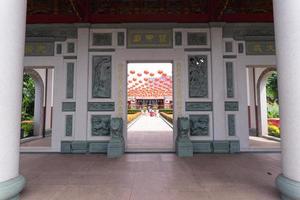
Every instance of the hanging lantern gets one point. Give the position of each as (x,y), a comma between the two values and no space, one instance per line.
(132,72)
(145,79)
(134,79)
(129,81)
(151,74)
(140,81)
(160,71)
(164,74)
(146,72)
(139,74)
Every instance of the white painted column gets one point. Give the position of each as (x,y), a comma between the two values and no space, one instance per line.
(12,37)
(287,36)
(82,84)
(49,98)
(218,94)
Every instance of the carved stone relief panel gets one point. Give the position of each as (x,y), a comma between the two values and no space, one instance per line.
(102,39)
(196,39)
(229,80)
(100,125)
(69,125)
(198,76)
(121,38)
(70,81)
(178,38)
(199,125)
(231,125)
(231,106)
(101,77)
(198,106)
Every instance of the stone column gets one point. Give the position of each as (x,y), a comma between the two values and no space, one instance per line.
(287,37)
(12,36)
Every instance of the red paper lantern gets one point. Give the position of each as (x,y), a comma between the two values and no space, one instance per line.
(139,74)
(146,72)
(151,74)
(132,72)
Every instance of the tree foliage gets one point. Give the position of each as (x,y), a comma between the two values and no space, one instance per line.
(28,95)
(272,89)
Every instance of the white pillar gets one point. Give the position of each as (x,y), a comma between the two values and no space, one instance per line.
(287,35)
(12,37)
(218,96)
(82,84)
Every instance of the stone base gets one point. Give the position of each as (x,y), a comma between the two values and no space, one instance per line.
(115,148)
(9,190)
(184,147)
(290,189)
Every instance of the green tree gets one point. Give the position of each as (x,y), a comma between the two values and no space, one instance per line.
(272,89)
(28,95)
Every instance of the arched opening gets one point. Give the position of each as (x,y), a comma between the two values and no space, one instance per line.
(32,104)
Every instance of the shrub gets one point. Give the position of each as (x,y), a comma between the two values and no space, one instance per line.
(131,117)
(273,110)
(274,131)
(168,117)
(133,111)
(27,127)
(167,111)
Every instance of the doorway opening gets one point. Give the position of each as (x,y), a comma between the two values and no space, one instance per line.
(150,107)
(37,107)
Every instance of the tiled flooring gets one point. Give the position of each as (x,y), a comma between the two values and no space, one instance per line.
(263,143)
(150,177)
(150,133)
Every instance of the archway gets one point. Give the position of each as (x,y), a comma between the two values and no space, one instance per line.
(38,101)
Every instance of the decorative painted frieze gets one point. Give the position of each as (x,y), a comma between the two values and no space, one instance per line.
(70,47)
(68,106)
(101,76)
(59,48)
(198,106)
(198,76)
(70,81)
(229,80)
(228,47)
(101,106)
(39,49)
(68,125)
(241,48)
(100,125)
(178,38)
(231,106)
(121,38)
(260,48)
(231,124)
(196,39)
(149,38)
(199,125)
(102,39)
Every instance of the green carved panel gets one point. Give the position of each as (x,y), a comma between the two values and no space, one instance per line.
(66,147)
(68,106)
(196,39)
(70,81)
(100,125)
(101,106)
(231,106)
(70,47)
(221,146)
(198,106)
(121,38)
(228,47)
(199,125)
(198,76)
(231,124)
(202,146)
(234,146)
(241,48)
(101,76)
(149,38)
(68,125)
(98,147)
(260,48)
(229,80)
(79,146)
(102,39)
(39,49)
(178,38)
(58,48)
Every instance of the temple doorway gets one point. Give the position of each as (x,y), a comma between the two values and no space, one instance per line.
(150,107)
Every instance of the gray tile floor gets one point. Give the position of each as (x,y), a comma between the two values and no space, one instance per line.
(150,176)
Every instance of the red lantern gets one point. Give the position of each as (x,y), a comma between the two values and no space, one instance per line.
(139,74)
(145,79)
(134,79)
(132,72)
(160,71)
(140,81)
(164,74)
(129,81)
(151,74)
(146,72)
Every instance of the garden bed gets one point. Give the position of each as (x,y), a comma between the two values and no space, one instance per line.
(166,116)
(131,117)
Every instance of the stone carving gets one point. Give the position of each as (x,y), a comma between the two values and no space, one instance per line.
(69,125)
(199,125)
(101,77)
(100,125)
(196,39)
(70,47)
(70,80)
(101,106)
(178,38)
(241,48)
(183,127)
(228,47)
(102,39)
(68,106)
(116,126)
(121,39)
(198,76)
(231,106)
(198,106)
(58,48)
(39,49)
(260,48)
(231,125)
(229,80)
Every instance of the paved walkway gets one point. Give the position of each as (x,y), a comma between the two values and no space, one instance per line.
(150,177)
(260,143)
(150,133)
